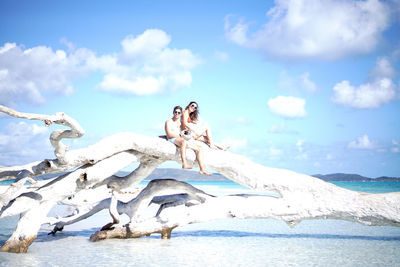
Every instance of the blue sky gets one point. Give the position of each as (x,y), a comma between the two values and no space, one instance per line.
(310,86)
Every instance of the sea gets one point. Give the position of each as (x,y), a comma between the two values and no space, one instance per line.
(226,242)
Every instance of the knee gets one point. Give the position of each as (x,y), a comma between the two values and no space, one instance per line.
(184,144)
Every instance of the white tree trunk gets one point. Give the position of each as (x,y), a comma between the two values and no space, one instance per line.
(301,196)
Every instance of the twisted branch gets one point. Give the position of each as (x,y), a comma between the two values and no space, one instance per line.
(60,118)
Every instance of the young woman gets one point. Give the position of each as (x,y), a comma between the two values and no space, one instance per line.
(200,129)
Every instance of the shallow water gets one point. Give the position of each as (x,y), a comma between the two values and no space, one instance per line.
(230,242)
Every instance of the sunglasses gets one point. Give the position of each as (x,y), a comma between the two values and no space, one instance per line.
(177,112)
(193,106)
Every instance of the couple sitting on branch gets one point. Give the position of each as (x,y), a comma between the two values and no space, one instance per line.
(185,128)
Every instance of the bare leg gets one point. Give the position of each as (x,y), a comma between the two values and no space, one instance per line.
(205,139)
(210,142)
(221,147)
(199,156)
(182,144)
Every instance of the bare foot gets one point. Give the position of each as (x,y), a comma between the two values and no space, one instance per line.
(212,146)
(220,147)
(225,148)
(184,166)
(205,173)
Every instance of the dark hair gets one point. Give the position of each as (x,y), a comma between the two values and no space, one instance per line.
(194,115)
(177,107)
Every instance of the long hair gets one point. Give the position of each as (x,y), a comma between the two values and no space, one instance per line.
(194,115)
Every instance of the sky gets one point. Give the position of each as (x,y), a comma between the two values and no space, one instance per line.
(309,86)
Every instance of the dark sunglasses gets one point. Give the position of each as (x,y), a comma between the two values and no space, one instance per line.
(177,112)
(193,106)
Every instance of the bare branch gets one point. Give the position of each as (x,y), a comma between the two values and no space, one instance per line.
(56,137)
(301,197)
(356,207)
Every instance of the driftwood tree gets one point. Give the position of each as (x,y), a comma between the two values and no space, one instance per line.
(87,171)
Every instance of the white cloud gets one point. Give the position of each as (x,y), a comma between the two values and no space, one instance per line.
(330,157)
(145,44)
(68,44)
(274,153)
(281,128)
(369,95)
(307,84)
(295,84)
(317,164)
(146,65)
(362,142)
(28,74)
(383,69)
(323,29)
(236,33)
(395,148)
(287,106)
(242,120)
(378,91)
(139,86)
(237,123)
(301,156)
(299,145)
(300,148)
(23,143)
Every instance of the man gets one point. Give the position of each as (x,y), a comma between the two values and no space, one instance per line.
(173,131)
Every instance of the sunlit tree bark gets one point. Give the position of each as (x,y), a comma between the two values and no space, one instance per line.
(81,172)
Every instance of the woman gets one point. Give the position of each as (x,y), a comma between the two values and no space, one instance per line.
(190,121)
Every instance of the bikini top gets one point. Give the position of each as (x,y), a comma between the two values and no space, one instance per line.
(189,120)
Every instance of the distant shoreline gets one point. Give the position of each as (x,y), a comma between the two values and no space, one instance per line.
(344,177)
(193,176)
(188,175)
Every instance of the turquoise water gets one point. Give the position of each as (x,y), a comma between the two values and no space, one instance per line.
(371,187)
(368,187)
(230,242)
